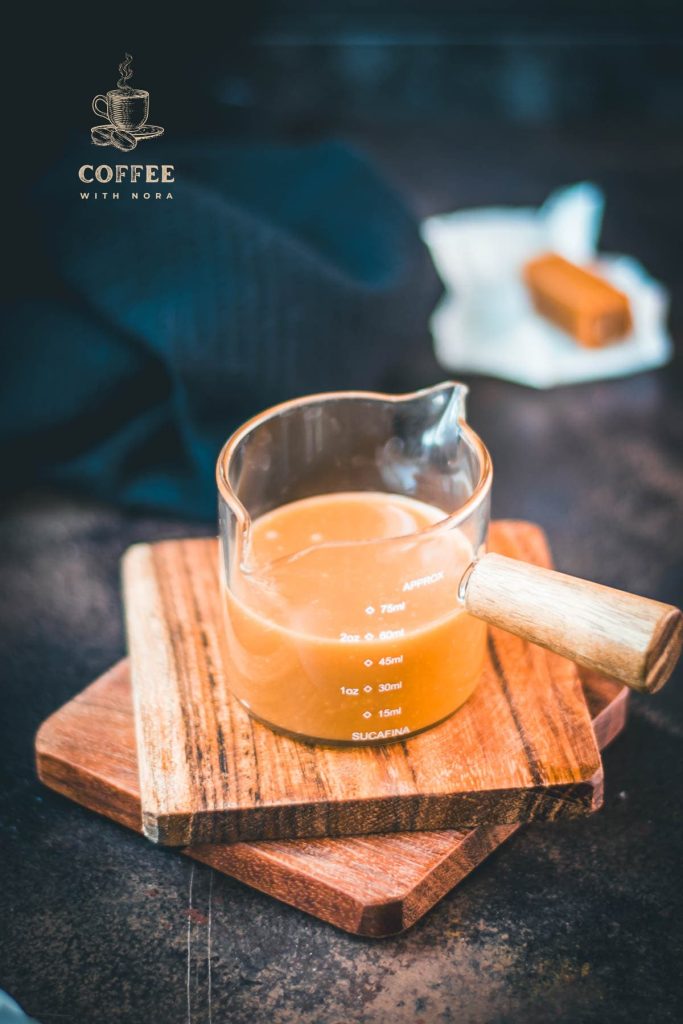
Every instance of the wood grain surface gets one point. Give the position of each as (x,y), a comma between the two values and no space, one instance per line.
(370,885)
(632,639)
(522,747)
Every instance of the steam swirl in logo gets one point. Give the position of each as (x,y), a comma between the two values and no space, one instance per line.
(126,72)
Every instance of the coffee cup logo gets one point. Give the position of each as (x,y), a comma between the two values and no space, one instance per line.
(125,111)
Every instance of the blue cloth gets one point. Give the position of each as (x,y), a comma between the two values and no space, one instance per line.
(11,1012)
(152,328)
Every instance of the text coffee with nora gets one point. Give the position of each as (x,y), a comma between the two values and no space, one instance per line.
(117,174)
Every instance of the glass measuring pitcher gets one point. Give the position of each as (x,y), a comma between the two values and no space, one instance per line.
(347,521)
(355,581)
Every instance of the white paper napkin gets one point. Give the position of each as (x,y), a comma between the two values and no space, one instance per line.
(486,324)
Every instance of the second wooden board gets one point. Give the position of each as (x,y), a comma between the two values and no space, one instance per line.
(369,885)
(521,748)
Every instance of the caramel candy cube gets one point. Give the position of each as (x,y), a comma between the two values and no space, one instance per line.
(582,303)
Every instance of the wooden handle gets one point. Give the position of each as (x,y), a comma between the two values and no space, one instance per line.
(629,638)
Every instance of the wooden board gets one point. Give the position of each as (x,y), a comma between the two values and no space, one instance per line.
(370,885)
(522,747)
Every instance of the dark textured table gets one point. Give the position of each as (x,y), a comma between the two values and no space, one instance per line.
(577,921)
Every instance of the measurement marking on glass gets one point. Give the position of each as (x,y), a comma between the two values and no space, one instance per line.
(368,689)
(389,609)
(391,634)
(368,662)
(368,714)
(391,659)
(369,636)
(389,712)
(349,691)
(369,610)
(423,581)
(349,638)
(383,687)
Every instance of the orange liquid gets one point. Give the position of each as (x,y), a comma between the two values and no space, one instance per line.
(338,633)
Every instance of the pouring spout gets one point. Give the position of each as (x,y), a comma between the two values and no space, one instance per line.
(454,397)
(455,393)
(448,398)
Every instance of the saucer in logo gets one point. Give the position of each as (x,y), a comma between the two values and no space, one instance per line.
(125,111)
(108,135)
